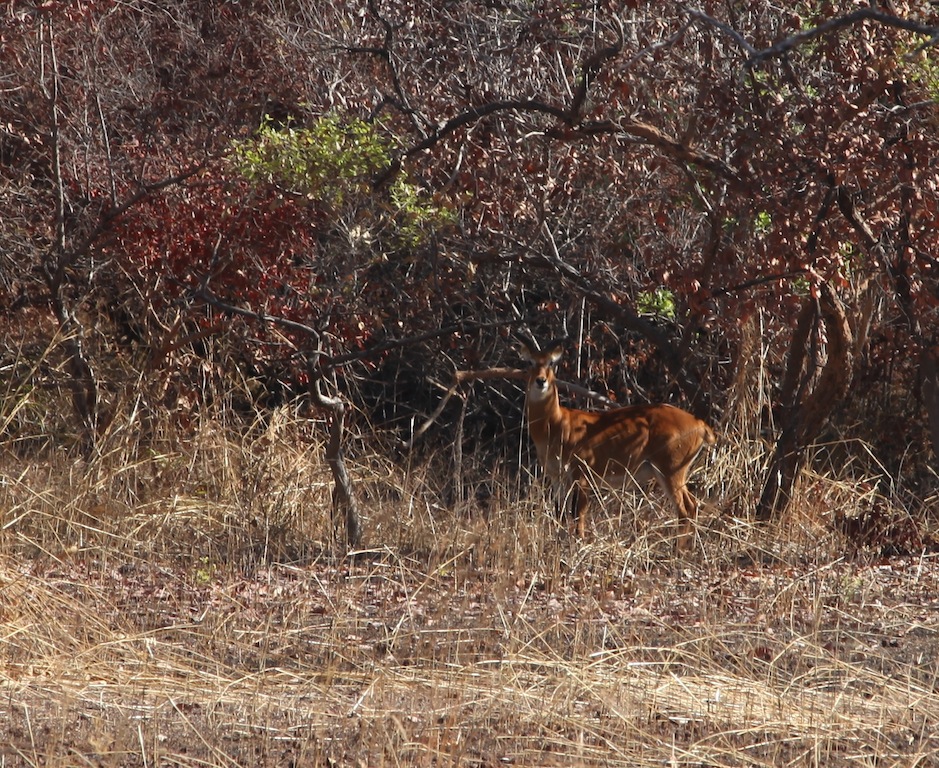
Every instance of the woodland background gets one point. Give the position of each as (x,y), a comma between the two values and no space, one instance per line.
(678,190)
(229,226)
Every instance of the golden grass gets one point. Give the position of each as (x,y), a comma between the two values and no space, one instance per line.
(179,601)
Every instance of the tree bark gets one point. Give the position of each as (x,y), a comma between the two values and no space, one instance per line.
(929,367)
(343,493)
(808,417)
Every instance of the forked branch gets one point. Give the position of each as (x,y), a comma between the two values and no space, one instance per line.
(459,378)
(343,494)
(569,119)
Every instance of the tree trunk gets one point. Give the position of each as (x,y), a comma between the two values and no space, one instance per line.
(807,417)
(343,494)
(929,368)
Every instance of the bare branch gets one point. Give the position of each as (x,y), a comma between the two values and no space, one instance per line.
(477,113)
(460,378)
(758,281)
(863,14)
(430,420)
(407,341)
(487,374)
(658,45)
(386,53)
(793,41)
(204,295)
(649,134)
(589,394)
(590,68)
(853,215)
(645,133)
(733,34)
(343,492)
(570,119)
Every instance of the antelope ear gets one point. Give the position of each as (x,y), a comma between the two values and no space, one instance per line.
(527,351)
(555,350)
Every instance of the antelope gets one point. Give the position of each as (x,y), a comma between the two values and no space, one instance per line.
(582,450)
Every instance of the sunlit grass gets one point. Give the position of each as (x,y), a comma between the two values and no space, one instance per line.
(184,601)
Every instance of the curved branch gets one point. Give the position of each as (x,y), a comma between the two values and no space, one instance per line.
(651,135)
(459,378)
(636,129)
(863,14)
(810,414)
(782,47)
(477,113)
(344,498)
(569,118)
(385,52)
(590,68)
(733,34)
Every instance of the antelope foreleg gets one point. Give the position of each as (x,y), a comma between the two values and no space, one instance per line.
(582,496)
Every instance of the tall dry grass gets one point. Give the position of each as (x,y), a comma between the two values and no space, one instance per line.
(181,599)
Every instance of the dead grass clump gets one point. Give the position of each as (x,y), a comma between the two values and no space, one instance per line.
(214,495)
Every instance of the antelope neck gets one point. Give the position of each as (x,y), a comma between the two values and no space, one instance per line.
(545,406)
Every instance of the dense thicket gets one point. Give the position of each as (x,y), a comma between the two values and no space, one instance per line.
(204,198)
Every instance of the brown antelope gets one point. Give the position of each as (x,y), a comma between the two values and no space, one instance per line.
(584,449)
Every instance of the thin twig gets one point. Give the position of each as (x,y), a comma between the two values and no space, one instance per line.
(204,295)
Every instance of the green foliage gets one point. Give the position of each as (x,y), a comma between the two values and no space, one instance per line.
(923,69)
(762,223)
(328,161)
(801,286)
(204,572)
(414,211)
(332,162)
(852,260)
(659,303)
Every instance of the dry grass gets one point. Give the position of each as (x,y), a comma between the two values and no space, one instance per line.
(179,601)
